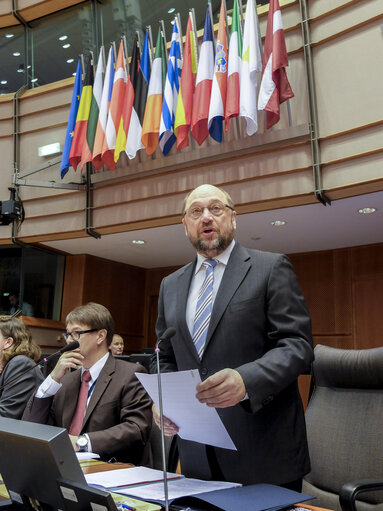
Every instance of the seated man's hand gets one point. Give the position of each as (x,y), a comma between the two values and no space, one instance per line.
(67,361)
(170,429)
(73,439)
(221,390)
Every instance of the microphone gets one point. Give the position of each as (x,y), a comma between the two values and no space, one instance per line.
(69,347)
(168,334)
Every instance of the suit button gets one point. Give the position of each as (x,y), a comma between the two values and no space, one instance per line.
(204,371)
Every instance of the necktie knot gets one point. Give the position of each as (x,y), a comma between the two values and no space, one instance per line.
(86,376)
(209,262)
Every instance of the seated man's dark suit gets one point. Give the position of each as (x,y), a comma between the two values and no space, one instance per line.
(259,326)
(118,417)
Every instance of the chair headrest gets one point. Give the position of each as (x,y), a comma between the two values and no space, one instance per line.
(361,369)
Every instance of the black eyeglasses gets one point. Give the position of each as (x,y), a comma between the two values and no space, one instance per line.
(215,209)
(77,333)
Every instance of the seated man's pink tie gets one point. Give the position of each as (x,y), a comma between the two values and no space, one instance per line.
(79,414)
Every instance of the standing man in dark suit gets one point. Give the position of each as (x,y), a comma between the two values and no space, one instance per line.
(101,403)
(249,339)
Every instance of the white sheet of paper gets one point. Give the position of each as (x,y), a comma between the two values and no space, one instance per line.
(176,488)
(196,421)
(127,476)
(87,456)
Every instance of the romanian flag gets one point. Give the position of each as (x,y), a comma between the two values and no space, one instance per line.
(218,90)
(139,73)
(172,84)
(152,116)
(275,87)
(79,137)
(234,68)
(251,64)
(187,84)
(76,94)
(205,73)
(104,109)
(115,111)
(87,152)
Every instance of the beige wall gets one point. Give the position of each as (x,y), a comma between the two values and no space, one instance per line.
(269,169)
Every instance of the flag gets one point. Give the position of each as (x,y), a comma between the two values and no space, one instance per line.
(125,119)
(275,87)
(172,84)
(187,84)
(103,114)
(200,112)
(76,94)
(79,137)
(139,76)
(87,152)
(218,89)
(152,116)
(115,111)
(250,65)
(234,68)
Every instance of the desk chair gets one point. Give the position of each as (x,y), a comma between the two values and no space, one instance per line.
(345,426)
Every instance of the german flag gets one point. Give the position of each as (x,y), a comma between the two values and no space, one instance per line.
(79,137)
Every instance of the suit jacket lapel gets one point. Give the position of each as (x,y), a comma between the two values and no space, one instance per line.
(101,384)
(183,285)
(236,270)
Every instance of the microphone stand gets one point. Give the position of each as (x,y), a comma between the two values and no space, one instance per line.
(164,468)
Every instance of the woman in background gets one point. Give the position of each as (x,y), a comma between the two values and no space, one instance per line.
(117,345)
(18,352)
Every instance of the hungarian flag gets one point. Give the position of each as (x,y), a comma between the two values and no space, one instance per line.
(234,68)
(152,116)
(250,65)
(103,114)
(187,84)
(201,103)
(87,153)
(275,87)
(79,137)
(139,73)
(115,111)
(218,90)
(172,84)
(76,95)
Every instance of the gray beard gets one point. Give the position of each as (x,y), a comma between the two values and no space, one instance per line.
(219,245)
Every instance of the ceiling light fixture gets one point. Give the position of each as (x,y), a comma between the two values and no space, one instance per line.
(138,242)
(69,61)
(63,38)
(49,149)
(66,45)
(3,82)
(16,54)
(278,223)
(8,36)
(171,10)
(366,211)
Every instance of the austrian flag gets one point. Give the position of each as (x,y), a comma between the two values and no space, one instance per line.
(275,87)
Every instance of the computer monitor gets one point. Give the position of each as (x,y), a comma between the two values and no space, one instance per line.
(32,458)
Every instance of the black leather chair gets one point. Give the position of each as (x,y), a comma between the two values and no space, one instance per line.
(345,429)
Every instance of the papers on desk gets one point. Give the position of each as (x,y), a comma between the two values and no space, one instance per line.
(232,497)
(176,488)
(196,421)
(127,477)
(87,456)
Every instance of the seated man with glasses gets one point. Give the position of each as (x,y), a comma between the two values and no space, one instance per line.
(96,397)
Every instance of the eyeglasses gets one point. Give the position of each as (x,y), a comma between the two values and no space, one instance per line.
(216,209)
(77,333)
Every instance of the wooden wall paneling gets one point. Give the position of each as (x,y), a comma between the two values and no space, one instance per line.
(368,299)
(73,283)
(325,281)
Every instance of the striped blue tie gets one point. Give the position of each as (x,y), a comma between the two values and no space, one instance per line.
(204,307)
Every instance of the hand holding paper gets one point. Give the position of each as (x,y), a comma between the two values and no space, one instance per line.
(195,420)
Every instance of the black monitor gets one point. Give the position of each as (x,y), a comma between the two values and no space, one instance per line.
(32,458)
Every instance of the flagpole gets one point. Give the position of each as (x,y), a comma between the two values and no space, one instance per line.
(194,30)
(241,15)
(124,43)
(211,22)
(149,28)
(178,21)
(164,39)
(226,21)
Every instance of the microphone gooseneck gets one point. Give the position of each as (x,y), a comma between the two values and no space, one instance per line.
(168,334)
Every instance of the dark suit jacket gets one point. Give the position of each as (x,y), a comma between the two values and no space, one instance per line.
(13,399)
(118,418)
(260,326)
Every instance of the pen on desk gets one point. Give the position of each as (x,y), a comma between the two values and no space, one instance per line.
(125,506)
